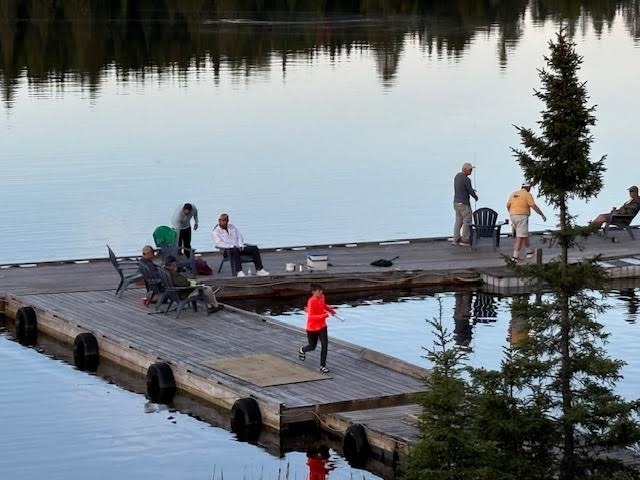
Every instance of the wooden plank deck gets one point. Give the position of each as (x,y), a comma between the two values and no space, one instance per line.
(130,335)
(421,263)
(390,430)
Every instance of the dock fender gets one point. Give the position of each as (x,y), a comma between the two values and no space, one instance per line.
(85,352)
(26,326)
(246,417)
(355,444)
(161,386)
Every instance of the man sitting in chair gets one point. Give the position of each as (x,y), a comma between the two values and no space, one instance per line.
(148,255)
(188,289)
(630,208)
(228,238)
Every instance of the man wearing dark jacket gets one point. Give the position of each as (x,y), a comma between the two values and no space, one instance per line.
(462,190)
(187,289)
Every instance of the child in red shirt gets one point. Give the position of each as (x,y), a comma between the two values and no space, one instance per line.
(317,313)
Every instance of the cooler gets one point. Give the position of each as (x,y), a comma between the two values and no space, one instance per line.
(317,261)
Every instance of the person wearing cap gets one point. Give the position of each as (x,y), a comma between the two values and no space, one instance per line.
(181,222)
(629,208)
(186,289)
(462,191)
(519,205)
(228,238)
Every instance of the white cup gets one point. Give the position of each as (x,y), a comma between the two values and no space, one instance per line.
(290,267)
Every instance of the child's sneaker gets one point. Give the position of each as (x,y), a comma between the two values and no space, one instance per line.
(301,355)
(323,369)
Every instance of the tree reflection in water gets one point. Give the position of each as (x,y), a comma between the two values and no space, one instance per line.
(52,41)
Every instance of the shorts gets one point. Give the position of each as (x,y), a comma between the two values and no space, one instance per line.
(520,225)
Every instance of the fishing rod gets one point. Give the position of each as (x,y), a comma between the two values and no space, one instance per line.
(475,181)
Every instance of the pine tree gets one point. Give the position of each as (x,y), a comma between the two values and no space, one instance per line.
(563,367)
(449,447)
(518,427)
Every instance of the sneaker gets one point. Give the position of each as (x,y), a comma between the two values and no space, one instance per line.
(301,354)
(516,259)
(212,309)
(323,369)
(530,254)
(464,244)
(454,243)
(262,273)
(240,274)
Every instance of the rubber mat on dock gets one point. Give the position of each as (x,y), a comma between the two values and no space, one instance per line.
(265,370)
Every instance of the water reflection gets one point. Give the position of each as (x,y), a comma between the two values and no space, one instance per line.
(53,43)
(319,462)
(518,331)
(485,308)
(630,298)
(462,330)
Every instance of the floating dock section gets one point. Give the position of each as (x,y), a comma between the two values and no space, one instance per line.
(225,357)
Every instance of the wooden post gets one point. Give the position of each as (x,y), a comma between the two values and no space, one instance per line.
(538,256)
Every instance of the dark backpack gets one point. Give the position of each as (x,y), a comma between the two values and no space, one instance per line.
(203,268)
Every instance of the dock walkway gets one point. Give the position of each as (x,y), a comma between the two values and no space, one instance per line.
(421,263)
(130,335)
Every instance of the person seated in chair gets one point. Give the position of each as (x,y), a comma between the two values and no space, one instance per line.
(148,255)
(147,259)
(629,208)
(228,238)
(187,289)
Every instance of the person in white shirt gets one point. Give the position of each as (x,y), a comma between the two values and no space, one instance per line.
(181,222)
(228,238)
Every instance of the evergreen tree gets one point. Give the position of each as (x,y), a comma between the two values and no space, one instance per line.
(449,448)
(518,427)
(563,367)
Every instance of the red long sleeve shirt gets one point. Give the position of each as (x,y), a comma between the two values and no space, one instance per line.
(317,313)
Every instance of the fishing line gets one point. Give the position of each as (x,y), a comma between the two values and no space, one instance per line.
(475,182)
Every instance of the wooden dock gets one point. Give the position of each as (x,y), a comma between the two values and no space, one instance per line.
(422,263)
(130,335)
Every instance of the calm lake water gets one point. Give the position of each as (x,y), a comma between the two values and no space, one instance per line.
(328,122)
